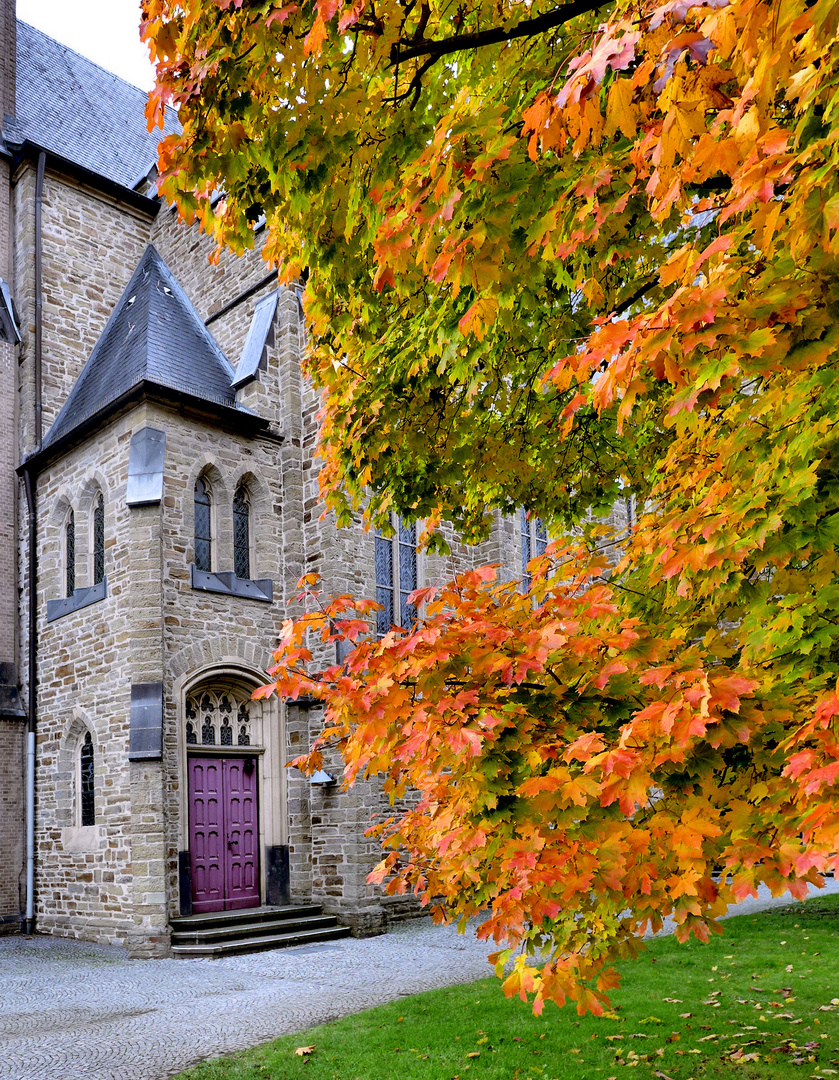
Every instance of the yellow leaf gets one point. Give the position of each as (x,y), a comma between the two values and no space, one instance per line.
(302,1051)
(621,114)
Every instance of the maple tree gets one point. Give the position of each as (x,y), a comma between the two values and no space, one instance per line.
(558,254)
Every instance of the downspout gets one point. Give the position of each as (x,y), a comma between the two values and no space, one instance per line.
(32,574)
(39,195)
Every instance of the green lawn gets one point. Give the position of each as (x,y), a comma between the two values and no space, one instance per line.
(760,1002)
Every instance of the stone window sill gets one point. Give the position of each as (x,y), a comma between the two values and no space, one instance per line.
(225,583)
(81,598)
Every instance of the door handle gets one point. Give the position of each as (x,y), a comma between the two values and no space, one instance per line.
(230,844)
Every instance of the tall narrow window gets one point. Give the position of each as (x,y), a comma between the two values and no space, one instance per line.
(88,813)
(534,541)
(526,548)
(70,553)
(396,575)
(241,533)
(203,538)
(99,540)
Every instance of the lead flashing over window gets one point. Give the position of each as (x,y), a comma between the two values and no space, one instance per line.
(81,598)
(226,583)
(259,335)
(146,731)
(145,467)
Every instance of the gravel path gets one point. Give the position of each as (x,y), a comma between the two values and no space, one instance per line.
(70,1010)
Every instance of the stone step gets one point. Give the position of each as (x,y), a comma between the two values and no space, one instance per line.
(263,913)
(254,944)
(195,935)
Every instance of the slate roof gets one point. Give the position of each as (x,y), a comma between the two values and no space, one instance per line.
(154,336)
(70,106)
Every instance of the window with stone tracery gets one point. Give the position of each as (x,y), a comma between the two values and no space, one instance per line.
(86,809)
(396,575)
(70,554)
(218,718)
(99,540)
(203,527)
(241,533)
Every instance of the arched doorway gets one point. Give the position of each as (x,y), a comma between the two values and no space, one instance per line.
(233,820)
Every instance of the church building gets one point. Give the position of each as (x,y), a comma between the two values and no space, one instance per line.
(158,505)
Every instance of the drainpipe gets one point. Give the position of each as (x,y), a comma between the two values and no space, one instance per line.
(33,699)
(39,194)
(32,574)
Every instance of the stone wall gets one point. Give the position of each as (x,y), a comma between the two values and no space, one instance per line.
(91,245)
(84,874)
(212,285)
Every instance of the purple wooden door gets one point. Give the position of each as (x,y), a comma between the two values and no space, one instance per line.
(223,833)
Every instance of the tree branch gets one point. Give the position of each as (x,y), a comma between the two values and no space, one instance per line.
(463,42)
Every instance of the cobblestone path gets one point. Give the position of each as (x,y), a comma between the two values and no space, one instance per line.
(70,1010)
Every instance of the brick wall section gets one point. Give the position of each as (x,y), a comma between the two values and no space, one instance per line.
(8,58)
(12,731)
(11,817)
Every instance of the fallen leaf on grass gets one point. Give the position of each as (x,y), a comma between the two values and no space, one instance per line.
(302,1051)
(475,1053)
(685,1016)
(673,1001)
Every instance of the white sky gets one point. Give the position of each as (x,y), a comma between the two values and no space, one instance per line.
(105,31)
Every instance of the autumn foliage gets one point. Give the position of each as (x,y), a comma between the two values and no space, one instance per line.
(557,257)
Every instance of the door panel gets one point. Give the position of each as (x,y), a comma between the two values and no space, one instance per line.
(241,828)
(223,834)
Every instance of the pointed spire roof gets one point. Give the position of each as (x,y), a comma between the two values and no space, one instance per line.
(154,337)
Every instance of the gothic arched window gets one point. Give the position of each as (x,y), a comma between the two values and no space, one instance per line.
(99,540)
(241,533)
(203,536)
(70,553)
(86,803)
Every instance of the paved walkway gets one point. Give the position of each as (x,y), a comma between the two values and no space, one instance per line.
(70,1010)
